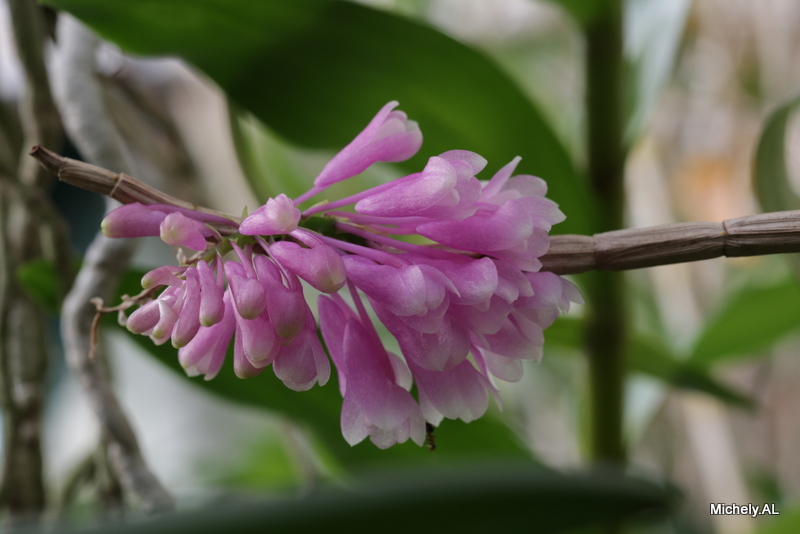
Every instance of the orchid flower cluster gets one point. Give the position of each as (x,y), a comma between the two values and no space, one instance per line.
(465,308)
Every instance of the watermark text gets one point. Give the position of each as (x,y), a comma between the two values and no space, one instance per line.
(721,508)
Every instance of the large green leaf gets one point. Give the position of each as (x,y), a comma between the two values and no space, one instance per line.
(316,71)
(320,407)
(649,357)
(752,320)
(506,498)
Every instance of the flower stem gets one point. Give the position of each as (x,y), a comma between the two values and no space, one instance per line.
(605,337)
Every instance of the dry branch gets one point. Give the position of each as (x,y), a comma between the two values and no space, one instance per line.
(620,250)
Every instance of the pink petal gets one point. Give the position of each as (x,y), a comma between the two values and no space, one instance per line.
(179,230)
(242,366)
(205,353)
(508,369)
(249,295)
(389,136)
(354,425)
(320,266)
(211,306)
(144,319)
(163,276)
(459,393)
(133,220)
(440,350)
(277,216)
(188,322)
(410,197)
(476,162)
(303,363)
(410,290)
(257,339)
(287,308)
(333,317)
(166,321)
(486,231)
(371,384)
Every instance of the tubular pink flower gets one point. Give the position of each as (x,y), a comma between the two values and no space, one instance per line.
(242,367)
(409,290)
(303,363)
(505,227)
(319,265)
(286,305)
(166,322)
(249,295)
(254,345)
(188,322)
(145,318)
(144,220)
(133,220)
(474,280)
(389,136)
(205,353)
(445,189)
(163,276)
(409,197)
(375,404)
(212,307)
(258,339)
(277,216)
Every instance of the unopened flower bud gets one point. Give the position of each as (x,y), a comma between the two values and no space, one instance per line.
(211,305)
(133,220)
(277,216)
(248,294)
(178,230)
(144,319)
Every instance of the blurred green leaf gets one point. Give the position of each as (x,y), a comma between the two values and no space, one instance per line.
(786,523)
(583,11)
(505,498)
(316,71)
(320,408)
(750,321)
(272,166)
(653,31)
(267,165)
(770,175)
(649,357)
(38,278)
(757,317)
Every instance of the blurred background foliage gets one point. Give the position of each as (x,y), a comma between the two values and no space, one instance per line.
(256,96)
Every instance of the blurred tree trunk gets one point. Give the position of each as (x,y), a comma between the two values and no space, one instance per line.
(31,229)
